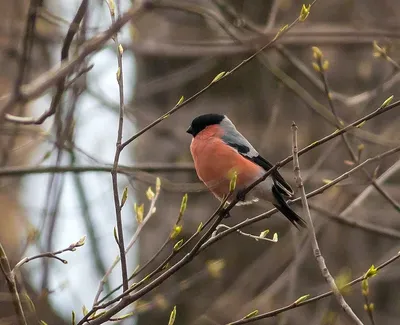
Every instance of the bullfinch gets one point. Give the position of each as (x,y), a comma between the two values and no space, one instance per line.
(219,150)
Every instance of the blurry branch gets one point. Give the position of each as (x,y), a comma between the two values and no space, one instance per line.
(12,286)
(321,66)
(361,198)
(223,75)
(316,250)
(305,300)
(146,167)
(383,108)
(322,34)
(70,248)
(118,149)
(382,52)
(78,75)
(346,100)
(72,30)
(370,227)
(28,38)
(141,223)
(48,79)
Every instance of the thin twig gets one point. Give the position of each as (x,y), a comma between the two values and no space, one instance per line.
(133,240)
(316,250)
(70,248)
(72,30)
(339,123)
(118,150)
(48,79)
(257,238)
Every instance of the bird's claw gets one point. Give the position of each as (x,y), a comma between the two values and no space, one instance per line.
(241,195)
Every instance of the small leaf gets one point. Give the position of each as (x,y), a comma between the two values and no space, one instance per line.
(316,67)
(275,237)
(387,102)
(232,184)
(182,208)
(46,156)
(372,271)
(264,233)
(365,287)
(218,76)
(30,302)
(305,11)
(254,313)
(80,242)
(325,65)
(116,235)
(172,316)
(175,232)
(158,185)
(283,28)
(120,49)
(118,74)
(125,316)
(215,267)
(150,194)
(178,245)
(379,51)
(200,227)
(317,54)
(139,210)
(111,5)
(84,310)
(301,299)
(361,124)
(180,101)
(124,196)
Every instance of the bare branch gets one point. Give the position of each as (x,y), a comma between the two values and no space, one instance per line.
(48,79)
(118,150)
(316,250)
(70,248)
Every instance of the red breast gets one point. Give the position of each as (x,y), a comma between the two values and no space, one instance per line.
(216,161)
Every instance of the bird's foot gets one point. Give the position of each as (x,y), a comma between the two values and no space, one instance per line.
(227,215)
(241,195)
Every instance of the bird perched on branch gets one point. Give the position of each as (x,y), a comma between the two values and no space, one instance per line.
(219,151)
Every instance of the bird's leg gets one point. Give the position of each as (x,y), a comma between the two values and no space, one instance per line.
(241,195)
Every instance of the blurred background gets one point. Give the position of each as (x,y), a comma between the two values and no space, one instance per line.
(175,48)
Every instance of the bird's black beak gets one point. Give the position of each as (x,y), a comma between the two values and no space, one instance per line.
(190,130)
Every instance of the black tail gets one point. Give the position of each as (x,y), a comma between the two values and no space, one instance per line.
(282,206)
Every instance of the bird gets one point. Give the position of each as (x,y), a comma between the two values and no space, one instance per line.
(219,150)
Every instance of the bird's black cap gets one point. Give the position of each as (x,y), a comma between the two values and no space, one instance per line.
(202,121)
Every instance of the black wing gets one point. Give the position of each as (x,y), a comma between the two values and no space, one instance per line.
(283,187)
